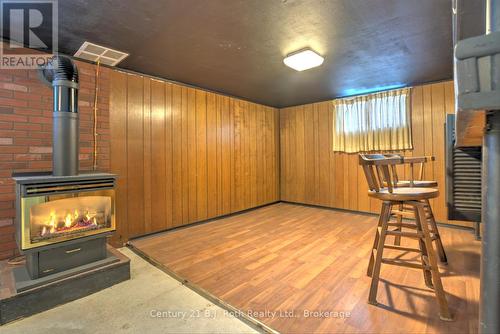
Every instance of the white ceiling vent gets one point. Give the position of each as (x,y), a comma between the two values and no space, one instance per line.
(104,55)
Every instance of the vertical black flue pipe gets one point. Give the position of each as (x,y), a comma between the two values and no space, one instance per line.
(489,311)
(62,74)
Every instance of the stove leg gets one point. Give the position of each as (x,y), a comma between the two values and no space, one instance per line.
(32,265)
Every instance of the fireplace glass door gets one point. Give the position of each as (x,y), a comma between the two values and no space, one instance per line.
(54,218)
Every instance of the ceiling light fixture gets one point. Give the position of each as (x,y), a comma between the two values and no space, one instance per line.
(303,60)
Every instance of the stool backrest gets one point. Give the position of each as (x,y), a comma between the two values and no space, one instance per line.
(380,170)
(393,168)
(419,161)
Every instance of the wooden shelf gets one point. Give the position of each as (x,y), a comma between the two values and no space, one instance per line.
(470,128)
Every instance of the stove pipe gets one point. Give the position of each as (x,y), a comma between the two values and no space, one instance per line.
(62,74)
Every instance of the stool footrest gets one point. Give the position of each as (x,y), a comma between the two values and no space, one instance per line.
(402,225)
(403,249)
(407,214)
(413,235)
(404,263)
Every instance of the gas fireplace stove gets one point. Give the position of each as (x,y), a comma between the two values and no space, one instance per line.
(63,217)
(63,221)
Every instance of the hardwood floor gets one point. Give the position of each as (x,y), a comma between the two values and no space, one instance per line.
(295,260)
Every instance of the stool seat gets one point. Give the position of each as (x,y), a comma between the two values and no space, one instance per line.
(404,194)
(418,184)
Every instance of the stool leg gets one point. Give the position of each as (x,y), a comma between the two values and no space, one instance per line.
(424,257)
(375,243)
(397,239)
(399,220)
(444,312)
(439,243)
(385,216)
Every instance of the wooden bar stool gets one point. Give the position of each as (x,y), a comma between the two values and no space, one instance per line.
(405,212)
(378,170)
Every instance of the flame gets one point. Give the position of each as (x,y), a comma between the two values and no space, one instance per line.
(52,219)
(72,220)
(51,223)
(68,221)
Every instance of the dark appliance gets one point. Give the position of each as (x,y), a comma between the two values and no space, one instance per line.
(463,179)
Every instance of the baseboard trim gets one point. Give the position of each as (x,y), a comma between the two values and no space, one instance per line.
(177,228)
(331,208)
(448,225)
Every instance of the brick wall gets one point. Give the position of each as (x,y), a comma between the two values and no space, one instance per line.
(26,133)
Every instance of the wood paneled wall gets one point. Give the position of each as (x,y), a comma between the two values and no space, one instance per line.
(312,173)
(185,155)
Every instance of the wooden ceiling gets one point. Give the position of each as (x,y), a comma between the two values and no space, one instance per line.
(237,47)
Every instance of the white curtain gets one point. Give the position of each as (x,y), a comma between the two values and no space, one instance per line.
(374,122)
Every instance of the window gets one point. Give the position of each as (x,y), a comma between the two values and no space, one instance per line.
(375,122)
